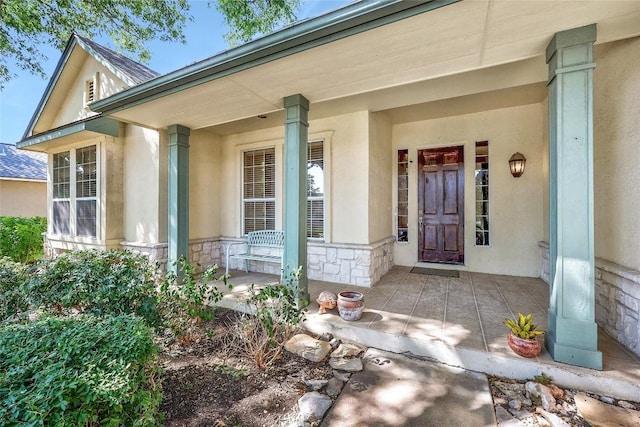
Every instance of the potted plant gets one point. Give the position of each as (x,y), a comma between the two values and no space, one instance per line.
(523,337)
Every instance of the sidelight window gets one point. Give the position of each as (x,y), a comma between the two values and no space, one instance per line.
(482,193)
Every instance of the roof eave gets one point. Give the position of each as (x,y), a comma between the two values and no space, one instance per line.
(52,83)
(350,20)
(98,124)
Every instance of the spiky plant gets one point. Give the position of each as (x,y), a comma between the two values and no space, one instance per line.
(523,327)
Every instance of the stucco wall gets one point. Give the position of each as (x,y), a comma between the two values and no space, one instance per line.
(346,186)
(516,211)
(23,198)
(616,152)
(204,185)
(380,176)
(73,106)
(142,186)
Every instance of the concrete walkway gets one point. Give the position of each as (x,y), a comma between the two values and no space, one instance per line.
(394,390)
(458,322)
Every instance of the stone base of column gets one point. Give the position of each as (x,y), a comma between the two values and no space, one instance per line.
(563,342)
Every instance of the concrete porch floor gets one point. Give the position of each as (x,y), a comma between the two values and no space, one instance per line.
(458,322)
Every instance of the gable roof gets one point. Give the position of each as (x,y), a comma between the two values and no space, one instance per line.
(22,164)
(128,70)
(133,72)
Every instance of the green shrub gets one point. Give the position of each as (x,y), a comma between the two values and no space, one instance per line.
(185,301)
(97,282)
(79,371)
(13,276)
(21,238)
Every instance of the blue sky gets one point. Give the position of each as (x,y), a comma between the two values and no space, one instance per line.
(21,95)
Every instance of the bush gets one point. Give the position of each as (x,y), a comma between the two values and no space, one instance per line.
(186,301)
(21,238)
(79,371)
(13,276)
(98,282)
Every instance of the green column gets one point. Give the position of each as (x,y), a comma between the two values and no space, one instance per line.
(572,335)
(295,193)
(178,194)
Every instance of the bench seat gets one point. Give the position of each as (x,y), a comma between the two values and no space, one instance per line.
(256,240)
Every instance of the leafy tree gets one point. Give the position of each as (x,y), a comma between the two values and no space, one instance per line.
(249,18)
(27,24)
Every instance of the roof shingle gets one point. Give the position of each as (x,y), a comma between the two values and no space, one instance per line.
(22,164)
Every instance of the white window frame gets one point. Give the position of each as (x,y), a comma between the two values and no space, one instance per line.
(73,198)
(324,192)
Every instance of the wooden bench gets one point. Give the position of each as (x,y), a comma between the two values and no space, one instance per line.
(255,241)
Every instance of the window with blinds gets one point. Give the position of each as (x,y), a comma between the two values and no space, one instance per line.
(315,190)
(482,193)
(86,181)
(61,186)
(259,190)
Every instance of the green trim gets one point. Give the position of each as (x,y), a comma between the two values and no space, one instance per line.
(347,21)
(101,125)
(178,221)
(295,194)
(573,37)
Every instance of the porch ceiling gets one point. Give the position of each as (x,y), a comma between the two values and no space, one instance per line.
(411,55)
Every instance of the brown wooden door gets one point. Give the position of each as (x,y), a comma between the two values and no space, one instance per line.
(441,205)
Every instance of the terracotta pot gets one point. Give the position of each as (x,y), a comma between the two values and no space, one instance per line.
(350,305)
(524,347)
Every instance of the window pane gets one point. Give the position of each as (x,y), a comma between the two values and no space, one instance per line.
(402,209)
(259,185)
(86,172)
(60,179)
(482,193)
(61,213)
(86,218)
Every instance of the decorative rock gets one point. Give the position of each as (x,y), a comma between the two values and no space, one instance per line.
(556,391)
(505,419)
(310,348)
(607,399)
(626,405)
(600,414)
(313,406)
(515,404)
(554,420)
(334,343)
(327,337)
(540,393)
(327,300)
(334,387)
(349,365)
(522,415)
(347,350)
(316,385)
(342,375)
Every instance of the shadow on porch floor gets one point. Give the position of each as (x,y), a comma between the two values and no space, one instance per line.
(458,321)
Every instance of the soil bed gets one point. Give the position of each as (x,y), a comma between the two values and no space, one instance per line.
(205,385)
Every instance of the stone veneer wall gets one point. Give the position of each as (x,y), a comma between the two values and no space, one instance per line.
(204,252)
(617,299)
(360,265)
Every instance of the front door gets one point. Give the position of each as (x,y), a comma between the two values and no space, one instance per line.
(440,204)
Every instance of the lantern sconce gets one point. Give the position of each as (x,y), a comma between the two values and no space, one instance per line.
(516,164)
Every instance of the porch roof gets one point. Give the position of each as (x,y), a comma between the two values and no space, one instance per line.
(351,57)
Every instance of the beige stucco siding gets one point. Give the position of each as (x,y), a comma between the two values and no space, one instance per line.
(380,178)
(347,175)
(617,153)
(516,217)
(23,198)
(73,108)
(204,185)
(142,186)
